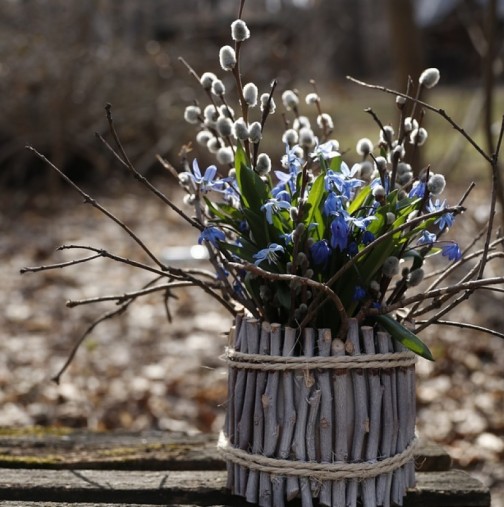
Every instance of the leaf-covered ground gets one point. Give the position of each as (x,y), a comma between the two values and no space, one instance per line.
(139,371)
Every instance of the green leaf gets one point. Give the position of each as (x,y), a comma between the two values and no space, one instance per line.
(404,336)
(253,190)
(313,204)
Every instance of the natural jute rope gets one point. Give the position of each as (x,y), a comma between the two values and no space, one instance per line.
(237,359)
(318,471)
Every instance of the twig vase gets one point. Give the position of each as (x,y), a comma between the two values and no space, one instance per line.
(313,416)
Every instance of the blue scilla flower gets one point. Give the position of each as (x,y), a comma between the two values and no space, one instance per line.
(268,254)
(206,181)
(339,233)
(427,238)
(361,223)
(367,237)
(352,249)
(320,252)
(359,293)
(333,204)
(418,190)
(444,221)
(327,150)
(212,235)
(452,251)
(342,181)
(283,195)
(274,206)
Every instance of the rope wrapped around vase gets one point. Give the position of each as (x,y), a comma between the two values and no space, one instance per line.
(334,423)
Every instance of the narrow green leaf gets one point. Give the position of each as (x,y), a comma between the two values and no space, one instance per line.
(404,336)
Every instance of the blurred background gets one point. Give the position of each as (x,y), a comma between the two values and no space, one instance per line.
(61,61)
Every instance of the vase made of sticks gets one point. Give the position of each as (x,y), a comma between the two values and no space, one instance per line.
(315,417)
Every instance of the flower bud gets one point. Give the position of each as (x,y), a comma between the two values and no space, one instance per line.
(306,138)
(386,134)
(290,100)
(263,165)
(250,94)
(366,170)
(218,88)
(364,146)
(416,277)
(390,217)
(409,124)
(227,57)
(264,101)
(224,126)
(225,110)
(429,77)
(324,121)
(214,145)
(225,155)
(379,192)
(206,80)
(239,30)
(211,114)
(312,98)
(390,267)
(300,122)
(400,101)
(240,129)
(436,184)
(203,136)
(290,137)
(418,136)
(192,114)
(255,132)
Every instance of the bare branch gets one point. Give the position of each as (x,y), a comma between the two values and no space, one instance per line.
(59,265)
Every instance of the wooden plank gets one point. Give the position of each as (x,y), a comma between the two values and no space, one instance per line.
(152,450)
(435,489)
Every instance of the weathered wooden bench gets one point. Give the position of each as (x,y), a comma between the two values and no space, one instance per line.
(41,468)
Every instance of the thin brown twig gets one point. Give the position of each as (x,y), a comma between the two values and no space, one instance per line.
(89,200)
(59,265)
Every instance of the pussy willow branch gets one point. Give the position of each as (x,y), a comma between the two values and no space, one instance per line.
(89,200)
(322,287)
(121,298)
(436,110)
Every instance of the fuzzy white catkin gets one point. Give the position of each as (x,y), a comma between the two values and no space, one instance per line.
(429,77)
(306,137)
(386,134)
(211,114)
(324,121)
(290,100)
(264,101)
(263,165)
(206,80)
(218,88)
(240,129)
(192,114)
(226,111)
(224,126)
(227,58)
(418,136)
(239,30)
(214,145)
(312,98)
(225,155)
(203,136)
(364,146)
(436,184)
(416,277)
(290,137)
(390,267)
(301,122)
(250,94)
(255,132)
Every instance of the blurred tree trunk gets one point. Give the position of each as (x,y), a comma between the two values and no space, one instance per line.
(405,38)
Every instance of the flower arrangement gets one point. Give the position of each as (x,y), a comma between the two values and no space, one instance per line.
(311,240)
